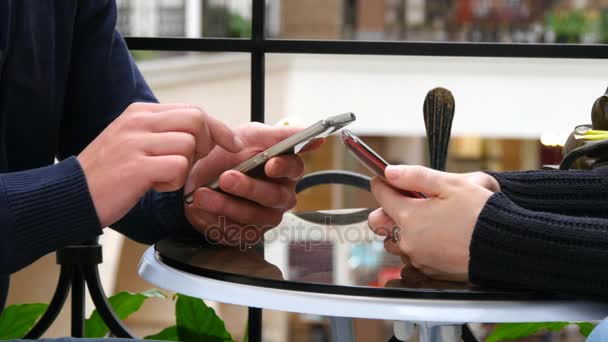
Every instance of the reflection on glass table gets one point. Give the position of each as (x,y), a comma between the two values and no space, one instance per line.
(330,264)
(319,252)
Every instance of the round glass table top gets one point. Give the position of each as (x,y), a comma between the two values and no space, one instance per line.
(325,252)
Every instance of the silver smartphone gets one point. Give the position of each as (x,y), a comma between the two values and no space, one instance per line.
(293,144)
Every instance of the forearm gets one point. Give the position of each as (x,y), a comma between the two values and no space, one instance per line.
(516,247)
(576,193)
(156,216)
(42,210)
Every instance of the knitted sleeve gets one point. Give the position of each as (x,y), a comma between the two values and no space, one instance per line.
(516,247)
(575,193)
(103,81)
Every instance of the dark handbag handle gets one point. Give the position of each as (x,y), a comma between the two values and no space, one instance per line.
(334,177)
(354,179)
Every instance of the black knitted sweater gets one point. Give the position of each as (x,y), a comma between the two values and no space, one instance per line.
(545,230)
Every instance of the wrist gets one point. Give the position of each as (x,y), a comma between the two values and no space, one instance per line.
(490,182)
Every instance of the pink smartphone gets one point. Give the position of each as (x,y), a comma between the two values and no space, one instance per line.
(371,159)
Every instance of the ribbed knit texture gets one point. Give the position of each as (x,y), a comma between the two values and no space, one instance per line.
(156,216)
(575,193)
(66,75)
(516,247)
(47,208)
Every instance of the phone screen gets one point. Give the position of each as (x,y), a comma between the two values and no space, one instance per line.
(372,160)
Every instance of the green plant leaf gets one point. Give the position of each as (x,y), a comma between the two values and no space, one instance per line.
(585,328)
(198,322)
(511,331)
(168,334)
(17,320)
(124,304)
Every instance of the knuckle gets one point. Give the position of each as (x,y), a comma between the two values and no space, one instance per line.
(133,107)
(255,125)
(189,144)
(282,198)
(136,119)
(245,187)
(199,109)
(420,172)
(218,207)
(403,217)
(298,167)
(249,216)
(408,249)
(293,201)
(275,219)
(181,164)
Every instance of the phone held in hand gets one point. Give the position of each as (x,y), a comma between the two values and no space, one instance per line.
(293,144)
(372,160)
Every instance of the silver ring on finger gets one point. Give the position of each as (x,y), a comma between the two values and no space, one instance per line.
(396,234)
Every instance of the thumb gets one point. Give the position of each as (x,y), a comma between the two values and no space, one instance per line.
(417,178)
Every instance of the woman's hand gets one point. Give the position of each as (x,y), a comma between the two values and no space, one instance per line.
(434,233)
(482,179)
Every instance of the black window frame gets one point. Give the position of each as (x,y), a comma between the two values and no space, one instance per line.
(258,46)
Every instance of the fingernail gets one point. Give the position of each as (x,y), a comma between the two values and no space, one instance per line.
(392,172)
(229,181)
(238,142)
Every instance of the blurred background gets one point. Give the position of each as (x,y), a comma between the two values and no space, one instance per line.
(511,113)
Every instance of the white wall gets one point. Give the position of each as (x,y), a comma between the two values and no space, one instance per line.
(517,98)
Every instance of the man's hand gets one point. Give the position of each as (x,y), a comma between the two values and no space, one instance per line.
(435,233)
(249,206)
(148,146)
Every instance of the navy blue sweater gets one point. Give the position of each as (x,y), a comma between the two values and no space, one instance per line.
(65,74)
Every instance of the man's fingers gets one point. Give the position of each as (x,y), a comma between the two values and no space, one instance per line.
(265,193)
(380,223)
(392,202)
(288,166)
(312,145)
(188,120)
(418,178)
(170,143)
(156,107)
(265,135)
(219,229)
(238,210)
(207,130)
(222,134)
(168,173)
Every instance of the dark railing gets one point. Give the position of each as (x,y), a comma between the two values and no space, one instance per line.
(76,270)
(258,45)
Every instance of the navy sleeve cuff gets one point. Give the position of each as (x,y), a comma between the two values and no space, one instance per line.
(575,193)
(156,216)
(518,248)
(43,210)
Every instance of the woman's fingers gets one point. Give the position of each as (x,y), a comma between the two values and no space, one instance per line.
(380,223)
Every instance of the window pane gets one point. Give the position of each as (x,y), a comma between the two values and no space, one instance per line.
(185,18)
(495,97)
(502,21)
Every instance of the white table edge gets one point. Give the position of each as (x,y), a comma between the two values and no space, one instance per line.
(412,310)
